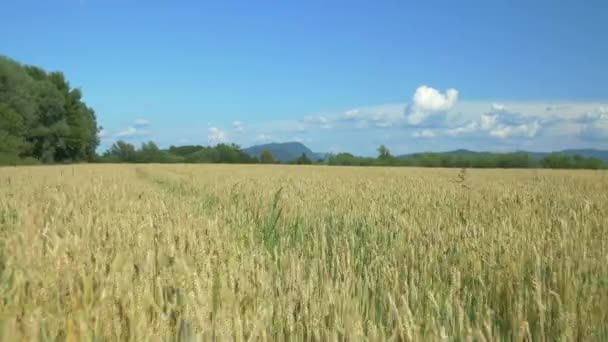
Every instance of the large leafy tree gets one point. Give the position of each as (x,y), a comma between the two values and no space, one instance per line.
(303,159)
(42,117)
(266,157)
(123,152)
(150,153)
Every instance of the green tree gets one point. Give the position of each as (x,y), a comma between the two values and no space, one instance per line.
(383,152)
(186,150)
(266,157)
(150,153)
(303,159)
(347,159)
(122,152)
(384,156)
(11,131)
(42,117)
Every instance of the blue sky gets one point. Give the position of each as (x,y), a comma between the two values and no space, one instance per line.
(336,75)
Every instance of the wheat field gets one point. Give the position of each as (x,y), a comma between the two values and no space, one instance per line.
(302,253)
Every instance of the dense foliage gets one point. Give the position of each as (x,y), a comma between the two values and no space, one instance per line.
(302,160)
(267,158)
(471,160)
(43,119)
(123,152)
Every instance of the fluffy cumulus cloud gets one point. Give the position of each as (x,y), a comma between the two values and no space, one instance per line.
(429,101)
(500,123)
(595,125)
(216,136)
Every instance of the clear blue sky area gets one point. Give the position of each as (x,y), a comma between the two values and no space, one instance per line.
(256,71)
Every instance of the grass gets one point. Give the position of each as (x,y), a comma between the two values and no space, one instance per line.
(218,252)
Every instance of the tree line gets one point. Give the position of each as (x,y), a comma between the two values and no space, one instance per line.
(122,152)
(149,152)
(471,160)
(44,120)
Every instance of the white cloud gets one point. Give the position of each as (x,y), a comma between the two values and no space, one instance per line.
(321,121)
(261,138)
(599,114)
(384,116)
(425,133)
(524,130)
(428,101)
(102,134)
(595,125)
(238,126)
(498,107)
(463,130)
(131,132)
(351,114)
(488,121)
(216,136)
(499,123)
(137,129)
(141,123)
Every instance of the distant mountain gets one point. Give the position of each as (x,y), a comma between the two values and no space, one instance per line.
(284,152)
(598,154)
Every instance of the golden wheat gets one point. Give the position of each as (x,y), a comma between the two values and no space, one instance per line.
(216,252)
